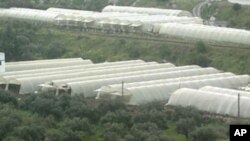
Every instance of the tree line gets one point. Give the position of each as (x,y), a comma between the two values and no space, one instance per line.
(46,117)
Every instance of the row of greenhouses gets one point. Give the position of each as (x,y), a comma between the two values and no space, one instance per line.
(114,21)
(215,100)
(176,27)
(161,90)
(133,82)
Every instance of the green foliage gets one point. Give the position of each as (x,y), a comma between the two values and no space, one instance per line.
(43,104)
(7,97)
(32,42)
(236,7)
(65,118)
(77,124)
(198,55)
(83,119)
(207,133)
(235,15)
(30,133)
(185,126)
(9,120)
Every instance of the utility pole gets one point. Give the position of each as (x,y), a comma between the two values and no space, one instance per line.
(238,106)
(122,88)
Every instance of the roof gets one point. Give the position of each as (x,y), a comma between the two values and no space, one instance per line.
(150,11)
(206,33)
(210,101)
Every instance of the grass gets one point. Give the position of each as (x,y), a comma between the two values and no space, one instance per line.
(102,48)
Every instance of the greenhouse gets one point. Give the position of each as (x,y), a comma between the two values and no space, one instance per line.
(92,68)
(212,102)
(143,23)
(225,91)
(30,84)
(118,87)
(150,11)
(159,92)
(75,67)
(116,72)
(70,11)
(206,33)
(29,14)
(89,71)
(30,66)
(44,61)
(88,87)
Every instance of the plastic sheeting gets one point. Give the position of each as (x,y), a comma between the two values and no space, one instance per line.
(109,90)
(150,11)
(225,91)
(70,11)
(30,14)
(213,102)
(83,68)
(117,72)
(88,87)
(30,84)
(149,93)
(97,66)
(206,33)
(37,65)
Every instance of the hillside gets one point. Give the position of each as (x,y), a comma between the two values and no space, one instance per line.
(46,117)
(234,14)
(26,41)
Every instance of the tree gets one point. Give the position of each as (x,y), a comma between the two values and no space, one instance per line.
(201,47)
(54,135)
(206,133)
(77,124)
(30,133)
(236,7)
(6,97)
(185,126)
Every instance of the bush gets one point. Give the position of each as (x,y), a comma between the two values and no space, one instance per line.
(207,133)
(6,97)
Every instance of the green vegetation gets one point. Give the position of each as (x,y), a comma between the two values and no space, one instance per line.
(45,117)
(236,15)
(23,41)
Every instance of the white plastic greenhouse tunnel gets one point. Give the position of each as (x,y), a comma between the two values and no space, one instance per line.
(212,102)
(88,87)
(29,83)
(206,33)
(138,95)
(150,11)
(75,67)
